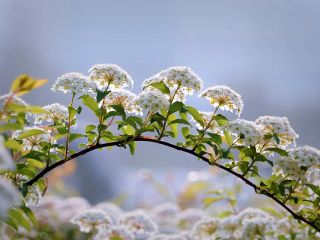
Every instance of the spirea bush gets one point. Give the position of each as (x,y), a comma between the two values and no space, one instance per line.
(35,140)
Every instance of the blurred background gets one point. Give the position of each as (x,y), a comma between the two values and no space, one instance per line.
(268,51)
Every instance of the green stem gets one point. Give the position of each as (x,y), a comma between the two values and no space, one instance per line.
(68,128)
(205,129)
(167,116)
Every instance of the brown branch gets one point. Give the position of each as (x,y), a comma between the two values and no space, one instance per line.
(170,145)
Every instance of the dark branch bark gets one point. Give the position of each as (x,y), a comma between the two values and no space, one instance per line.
(170,145)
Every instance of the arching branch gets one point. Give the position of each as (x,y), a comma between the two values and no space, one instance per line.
(170,145)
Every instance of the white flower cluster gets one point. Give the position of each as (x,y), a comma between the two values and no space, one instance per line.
(73,82)
(110,76)
(180,80)
(280,126)
(205,228)
(224,97)
(108,221)
(248,132)
(56,113)
(249,224)
(151,100)
(124,98)
(298,161)
(9,196)
(139,224)
(33,142)
(6,162)
(92,220)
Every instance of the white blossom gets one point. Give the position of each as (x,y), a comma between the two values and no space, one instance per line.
(165,216)
(151,100)
(123,98)
(139,224)
(110,76)
(228,228)
(56,113)
(91,220)
(34,141)
(224,97)
(111,209)
(248,132)
(280,126)
(73,82)
(257,229)
(205,228)
(249,213)
(169,237)
(9,196)
(298,161)
(115,232)
(6,162)
(180,80)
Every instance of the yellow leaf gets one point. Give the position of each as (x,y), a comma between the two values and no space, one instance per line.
(25,83)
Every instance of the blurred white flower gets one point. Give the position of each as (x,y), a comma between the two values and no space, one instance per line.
(139,224)
(224,97)
(73,82)
(34,196)
(111,209)
(165,216)
(258,228)
(110,76)
(169,237)
(9,196)
(91,220)
(204,229)
(115,232)
(249,213)
(228,229)
(249,132)
(12,99)
(152,100)
(280,126)
(56,113)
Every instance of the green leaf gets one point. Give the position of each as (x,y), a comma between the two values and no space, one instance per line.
(74,136)
(161,86)
(196,115)
(101,94)
(222,120)
(280,151)
(176,106)
(314,188)
(19,216)
(216,138)
(90,128)
(119,110)
(27,211)
(72,112)
(13,144)
(185,131)
(180,121)
(276,138)
(228,138)
(91,104)
(29,133)
(127,129)
(132,147)
(10,126)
